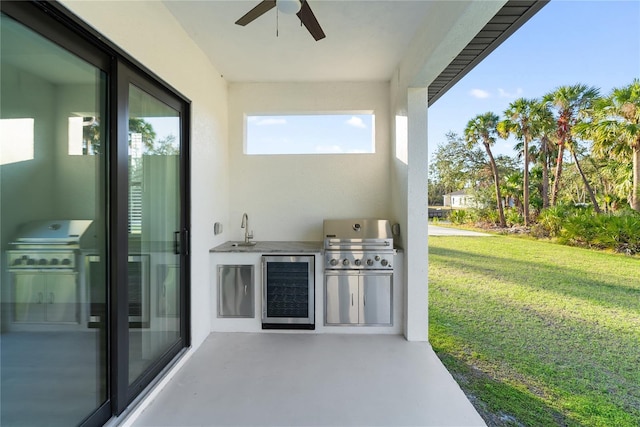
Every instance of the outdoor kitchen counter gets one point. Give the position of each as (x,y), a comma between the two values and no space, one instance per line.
(271,247)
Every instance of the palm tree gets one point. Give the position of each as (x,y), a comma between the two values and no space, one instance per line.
(547,133)
(615,131)
(568,102)
(482,129)
(575,149)
(521,122)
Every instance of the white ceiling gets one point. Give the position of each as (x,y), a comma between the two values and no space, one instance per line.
(365,39)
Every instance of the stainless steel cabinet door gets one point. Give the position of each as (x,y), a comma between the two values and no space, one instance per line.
(375,299)
(235,291)
(341,299)
(46,298)
(62,298)
(29,297)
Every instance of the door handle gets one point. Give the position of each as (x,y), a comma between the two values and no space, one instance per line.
(176,242)
(180,244)
(351,300)
(186,242)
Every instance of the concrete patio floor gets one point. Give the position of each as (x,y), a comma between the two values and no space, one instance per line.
(306,379)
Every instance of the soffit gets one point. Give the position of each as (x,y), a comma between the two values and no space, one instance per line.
(508,19)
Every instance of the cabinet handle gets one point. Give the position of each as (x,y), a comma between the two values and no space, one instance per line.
(245,290)
(364,299)
(352,300)
(40,298)
(51,298)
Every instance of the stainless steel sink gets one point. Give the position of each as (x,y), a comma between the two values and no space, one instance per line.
(241,244)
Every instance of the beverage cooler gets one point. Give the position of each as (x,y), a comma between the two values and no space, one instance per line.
(288,292)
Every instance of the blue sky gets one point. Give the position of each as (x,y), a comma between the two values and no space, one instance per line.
(596,43)
(332,133)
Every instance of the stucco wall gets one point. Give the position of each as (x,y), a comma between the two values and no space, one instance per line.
(149,33)
(287,197)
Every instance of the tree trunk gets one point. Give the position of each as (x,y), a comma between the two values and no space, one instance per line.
(586,183)
(556,179)
(635,192)
(496,179)
(525,183)
(545,173)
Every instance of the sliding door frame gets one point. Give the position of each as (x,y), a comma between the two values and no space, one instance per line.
(127,75)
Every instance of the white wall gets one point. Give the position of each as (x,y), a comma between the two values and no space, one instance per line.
(287,197)
(149,33)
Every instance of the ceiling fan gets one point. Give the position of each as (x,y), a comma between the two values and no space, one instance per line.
(299,7)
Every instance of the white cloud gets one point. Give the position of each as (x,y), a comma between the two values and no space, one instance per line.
(356,122)
(479,93)
(271,121)
(504,94)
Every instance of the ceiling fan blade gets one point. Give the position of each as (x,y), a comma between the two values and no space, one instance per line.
(262,7)
(309,20)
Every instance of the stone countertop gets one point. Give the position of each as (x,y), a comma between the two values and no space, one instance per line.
(290,247)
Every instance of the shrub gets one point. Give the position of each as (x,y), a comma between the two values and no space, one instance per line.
(458,216)
(550,220)
(579,228)
(619,232)
(513,217)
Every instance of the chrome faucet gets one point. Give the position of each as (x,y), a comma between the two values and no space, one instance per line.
(245,224)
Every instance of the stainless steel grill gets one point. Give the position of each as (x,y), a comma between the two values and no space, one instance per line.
(47,245)
(44,263)
(360,244)
(358,275)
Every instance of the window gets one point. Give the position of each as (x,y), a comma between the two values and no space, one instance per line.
(340,133)
(16,140)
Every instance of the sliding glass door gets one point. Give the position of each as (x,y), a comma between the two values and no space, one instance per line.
(93,222)
(155,238)
(53,115)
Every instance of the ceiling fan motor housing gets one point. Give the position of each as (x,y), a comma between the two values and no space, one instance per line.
(290,7)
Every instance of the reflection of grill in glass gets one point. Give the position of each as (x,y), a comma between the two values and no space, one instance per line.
(44,260)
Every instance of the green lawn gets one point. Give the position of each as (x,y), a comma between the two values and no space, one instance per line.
(535,333)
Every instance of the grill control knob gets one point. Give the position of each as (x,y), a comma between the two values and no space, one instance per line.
(31,261)
(384,262)
(377,257)
(369,262)
(357,262)
(54,261)
(42,261)
(17,261)
(345,262)
(66,262)
(333,262)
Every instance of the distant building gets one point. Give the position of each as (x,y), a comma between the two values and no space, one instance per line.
(459,199)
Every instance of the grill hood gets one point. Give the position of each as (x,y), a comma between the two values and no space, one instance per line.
(63,231)
(357,229)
